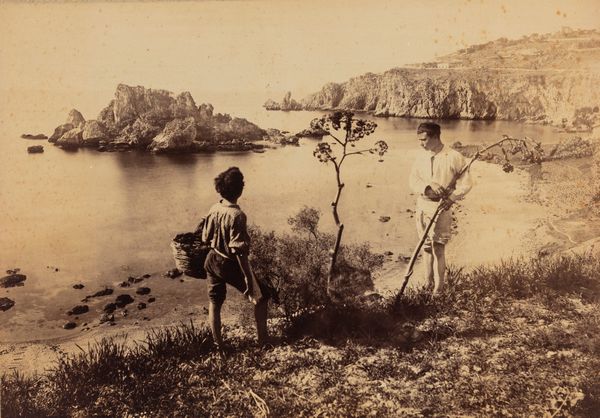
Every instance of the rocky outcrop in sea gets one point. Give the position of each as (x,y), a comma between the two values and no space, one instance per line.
(500,94)
(157,121)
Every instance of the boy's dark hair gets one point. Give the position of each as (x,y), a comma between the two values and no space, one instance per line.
(230,183)
(429,127)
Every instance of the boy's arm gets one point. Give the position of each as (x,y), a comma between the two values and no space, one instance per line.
(252,288)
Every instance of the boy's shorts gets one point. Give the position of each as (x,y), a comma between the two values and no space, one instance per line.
(221,271)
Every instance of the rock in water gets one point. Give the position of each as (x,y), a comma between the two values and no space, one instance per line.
(143,291)
(93,132)
(35,149)
(123,300)
(6,304)
(106,317)
(110,307)
(78,310)
(60,131)
(31,136)
(12,280)
(71,139)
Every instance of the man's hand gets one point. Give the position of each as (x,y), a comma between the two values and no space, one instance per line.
(447,203)
(434,191)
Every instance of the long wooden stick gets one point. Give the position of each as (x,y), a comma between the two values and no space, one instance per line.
(451,186)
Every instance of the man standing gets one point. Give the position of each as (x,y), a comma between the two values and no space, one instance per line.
(432,173)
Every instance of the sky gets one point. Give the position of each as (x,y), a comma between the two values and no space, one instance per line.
(73,54)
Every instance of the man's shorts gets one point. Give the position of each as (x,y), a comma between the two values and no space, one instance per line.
(221,271)
(440,232)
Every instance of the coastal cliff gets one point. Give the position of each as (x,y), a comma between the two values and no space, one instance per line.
(157,121)
(544,78)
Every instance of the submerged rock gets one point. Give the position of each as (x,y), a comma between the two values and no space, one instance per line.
(6,304)
(12,280)
(143,291)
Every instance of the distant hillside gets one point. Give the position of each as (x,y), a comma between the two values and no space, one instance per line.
(564,50)
(546,78)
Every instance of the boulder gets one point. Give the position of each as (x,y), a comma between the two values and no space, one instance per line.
(35,149)
(106,317)
(78,286)
(141,306)
(93,132)
(140,133)
(6,304)
(78,310)
(174,273)
(75,118)
(69,325)
(60,131)
(12,280)
(178,135)
(71,139)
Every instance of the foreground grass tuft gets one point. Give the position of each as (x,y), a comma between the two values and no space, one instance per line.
(521,338)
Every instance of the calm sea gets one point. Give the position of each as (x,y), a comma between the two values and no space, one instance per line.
(95,217)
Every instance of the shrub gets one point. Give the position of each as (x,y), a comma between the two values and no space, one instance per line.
(297,265)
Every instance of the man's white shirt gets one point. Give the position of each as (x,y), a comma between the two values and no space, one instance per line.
(440,168)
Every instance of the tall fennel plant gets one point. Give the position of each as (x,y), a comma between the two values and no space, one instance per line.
(345,130)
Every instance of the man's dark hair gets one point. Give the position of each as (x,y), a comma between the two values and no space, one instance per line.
(429,127)
(230,183)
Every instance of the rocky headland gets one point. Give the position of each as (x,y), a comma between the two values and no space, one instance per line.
(161,122)
(548,78)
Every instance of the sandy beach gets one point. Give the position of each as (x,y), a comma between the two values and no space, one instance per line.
(504,216)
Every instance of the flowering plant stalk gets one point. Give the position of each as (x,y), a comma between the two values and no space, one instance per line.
(353,130)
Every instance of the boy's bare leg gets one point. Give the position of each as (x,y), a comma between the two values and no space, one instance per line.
(260,315)
(214,318)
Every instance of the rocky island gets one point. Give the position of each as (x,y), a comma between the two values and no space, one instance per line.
(549,78)
(159,121)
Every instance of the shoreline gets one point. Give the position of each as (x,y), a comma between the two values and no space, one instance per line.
(504,216)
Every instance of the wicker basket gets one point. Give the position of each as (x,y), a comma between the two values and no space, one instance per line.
(190,254)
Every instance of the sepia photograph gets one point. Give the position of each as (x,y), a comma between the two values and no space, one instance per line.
(270,208)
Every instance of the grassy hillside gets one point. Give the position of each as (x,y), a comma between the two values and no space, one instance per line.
(518,339)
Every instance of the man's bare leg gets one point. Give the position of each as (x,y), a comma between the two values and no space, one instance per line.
(214,319)
(429,270)
(439,255)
